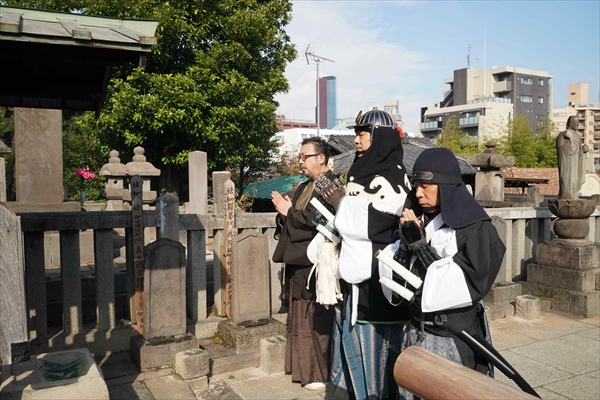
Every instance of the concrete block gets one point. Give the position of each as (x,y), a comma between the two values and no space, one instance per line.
(243,337)
(198,384)
(570,279)
(192,363)
(528,307)
(272,354)
(495,311)
(70,374)
(597,280)
(503,292)
(575,257)
(147,356)
(169,387)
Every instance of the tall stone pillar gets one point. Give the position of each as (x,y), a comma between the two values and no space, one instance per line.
(39,161)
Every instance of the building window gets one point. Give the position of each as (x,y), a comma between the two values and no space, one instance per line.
(540,100)
(540,82)
(560,123)
(591,123)
(560,114)
(526,80)
(526,98)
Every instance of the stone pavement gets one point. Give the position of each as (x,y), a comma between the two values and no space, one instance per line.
(558,354)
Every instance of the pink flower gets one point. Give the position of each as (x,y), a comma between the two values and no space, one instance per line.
(85,173)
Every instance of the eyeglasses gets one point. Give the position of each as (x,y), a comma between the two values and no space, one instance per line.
(303,157)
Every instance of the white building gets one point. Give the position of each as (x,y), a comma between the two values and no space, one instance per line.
(291,139)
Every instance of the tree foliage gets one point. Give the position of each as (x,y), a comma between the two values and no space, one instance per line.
(209,83)
(452,137)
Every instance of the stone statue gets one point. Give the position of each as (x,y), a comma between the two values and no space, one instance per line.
(570,150)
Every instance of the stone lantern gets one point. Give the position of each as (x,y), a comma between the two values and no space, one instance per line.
(139,166)
(489,180)
(114,171)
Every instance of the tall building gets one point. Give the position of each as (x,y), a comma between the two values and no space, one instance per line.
(589,121)
(392,106)
(327,102)
(482,100)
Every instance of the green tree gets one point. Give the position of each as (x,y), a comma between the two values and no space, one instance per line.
(209,83)
(546,144)
(519,141)
(455,139)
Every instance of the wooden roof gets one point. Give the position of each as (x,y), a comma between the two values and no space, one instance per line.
(63,60)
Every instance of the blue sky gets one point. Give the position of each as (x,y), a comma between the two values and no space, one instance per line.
(404,49)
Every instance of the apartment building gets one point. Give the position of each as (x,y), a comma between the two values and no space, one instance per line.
(483,100)
(589,121)
(392,106)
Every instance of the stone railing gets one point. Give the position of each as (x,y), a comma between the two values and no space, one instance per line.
(520,228)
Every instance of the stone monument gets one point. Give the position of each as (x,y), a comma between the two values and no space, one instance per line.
(115,173)
(251,306)
(165,329)
(489,180)
(39,162)
(567,265)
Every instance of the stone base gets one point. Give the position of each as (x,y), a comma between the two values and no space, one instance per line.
(272,354)
(499,310)
(585,304)
(71,374)
(248,336)
(528,307)
(570,279)
(503,292)
(147,356)
(570,257)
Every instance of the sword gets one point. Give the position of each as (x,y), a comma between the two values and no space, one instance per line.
(476,342)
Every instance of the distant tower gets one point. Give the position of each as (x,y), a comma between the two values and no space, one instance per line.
(328,101)
(392,106)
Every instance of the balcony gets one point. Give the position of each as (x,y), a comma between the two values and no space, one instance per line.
(503,86)
(431,126)
(597,116)
(469,121)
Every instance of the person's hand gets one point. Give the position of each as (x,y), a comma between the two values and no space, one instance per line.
(282,204)
(333,193)
(409,215)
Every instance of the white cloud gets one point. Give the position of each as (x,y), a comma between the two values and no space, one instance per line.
(369,67)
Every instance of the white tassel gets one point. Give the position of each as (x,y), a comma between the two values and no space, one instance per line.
(327,286)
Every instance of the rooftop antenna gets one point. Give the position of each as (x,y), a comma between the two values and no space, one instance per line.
(317,60)
(469,56)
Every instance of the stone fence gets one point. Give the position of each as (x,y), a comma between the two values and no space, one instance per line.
(520,228)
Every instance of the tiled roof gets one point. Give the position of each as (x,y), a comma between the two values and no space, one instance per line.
(550,188)
(412,149)
(341,143)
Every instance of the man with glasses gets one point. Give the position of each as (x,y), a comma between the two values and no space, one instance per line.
(309,323)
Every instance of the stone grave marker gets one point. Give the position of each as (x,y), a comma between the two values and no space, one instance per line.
(164,294)
(250,278)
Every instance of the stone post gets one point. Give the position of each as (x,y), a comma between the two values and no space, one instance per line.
(114,171)
(218,184)
(2,180)
(198,183)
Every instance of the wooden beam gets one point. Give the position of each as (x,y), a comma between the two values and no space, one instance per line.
(135,35)
(75,30)
(10,22)
(430,376)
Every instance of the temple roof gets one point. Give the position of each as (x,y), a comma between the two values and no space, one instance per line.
(63,60)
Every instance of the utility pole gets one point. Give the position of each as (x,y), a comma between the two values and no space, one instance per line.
(317,60)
